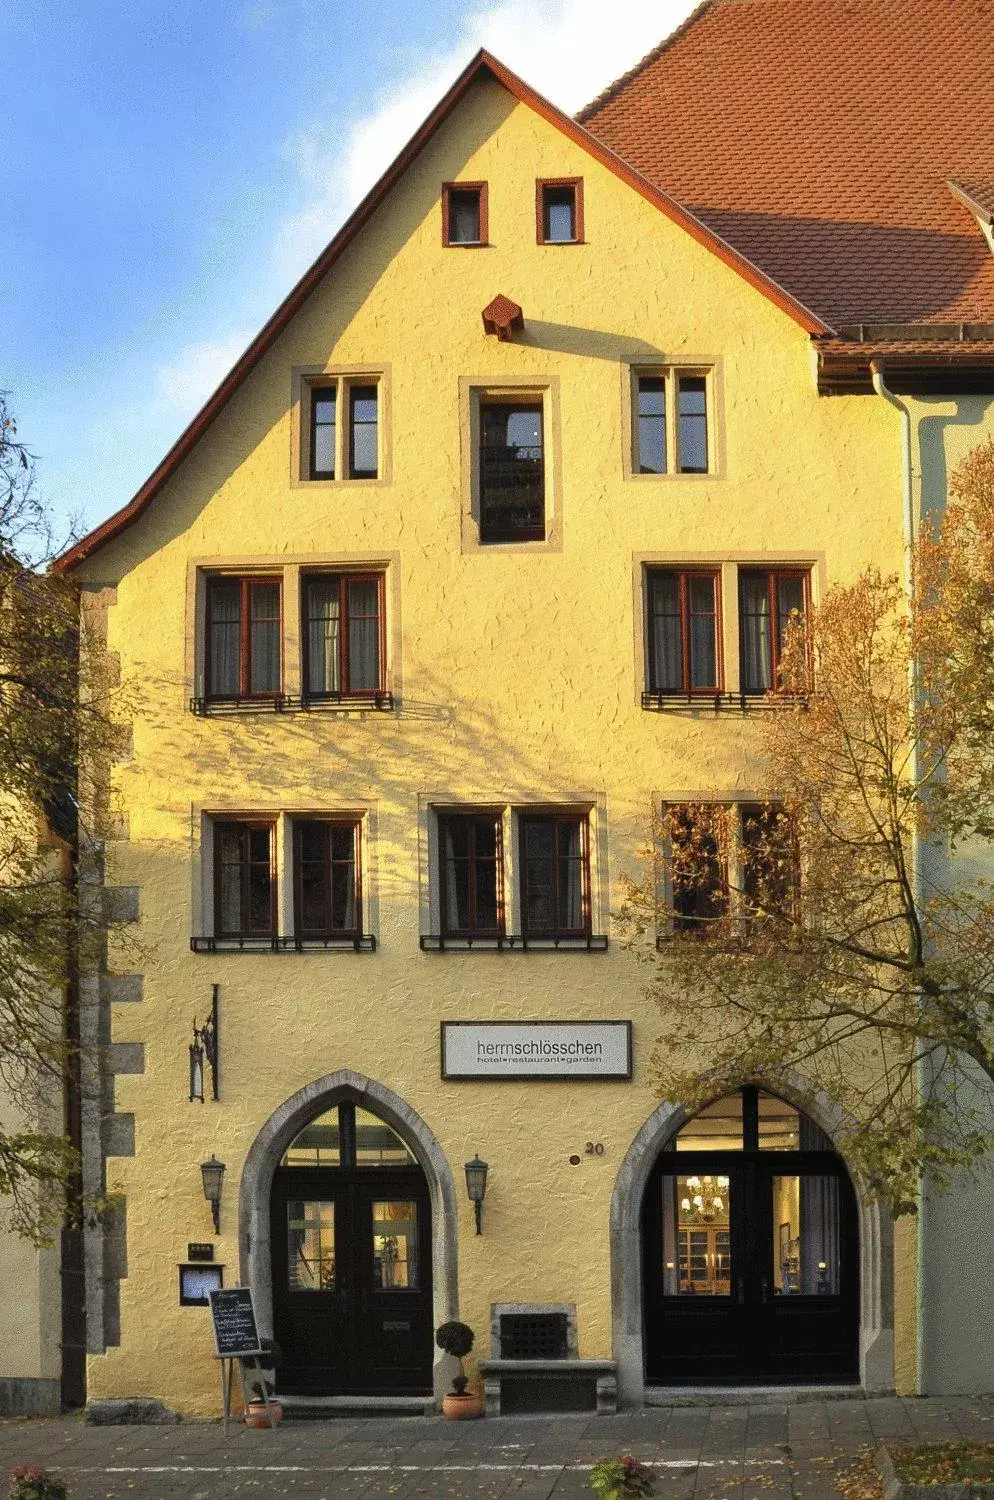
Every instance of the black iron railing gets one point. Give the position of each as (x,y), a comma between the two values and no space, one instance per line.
(362,942)
(437,942)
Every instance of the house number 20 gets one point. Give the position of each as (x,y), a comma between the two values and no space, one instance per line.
(594,1148)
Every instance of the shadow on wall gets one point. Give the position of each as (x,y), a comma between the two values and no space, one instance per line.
(933,457)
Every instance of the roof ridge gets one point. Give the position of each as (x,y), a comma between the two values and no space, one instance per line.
(612,89)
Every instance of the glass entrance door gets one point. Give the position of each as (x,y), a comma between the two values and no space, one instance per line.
(750,1251)
(351,1255)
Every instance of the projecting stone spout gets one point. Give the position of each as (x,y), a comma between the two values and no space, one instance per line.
(502,317)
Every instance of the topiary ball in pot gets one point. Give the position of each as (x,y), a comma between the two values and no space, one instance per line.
(457,1339)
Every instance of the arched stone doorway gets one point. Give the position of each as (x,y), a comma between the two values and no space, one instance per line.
(641,1173)
(258,1254)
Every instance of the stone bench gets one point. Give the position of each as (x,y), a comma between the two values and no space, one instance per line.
(522,1386)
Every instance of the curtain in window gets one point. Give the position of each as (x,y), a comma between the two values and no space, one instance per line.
(570,877)
(703,621)
(343,880)
(229,879)
(455,852)
(225,642)
(667,642)
(757,664)
(819,1236)
(323,625)
(364,636)
(265,638)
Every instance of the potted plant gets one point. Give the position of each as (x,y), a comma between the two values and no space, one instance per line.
(30,1482)
(457,1339)
(621,1478)
(259,1385)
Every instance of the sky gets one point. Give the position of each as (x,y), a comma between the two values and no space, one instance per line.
(170,170)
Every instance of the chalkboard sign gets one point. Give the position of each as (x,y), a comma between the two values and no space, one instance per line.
(233,1317)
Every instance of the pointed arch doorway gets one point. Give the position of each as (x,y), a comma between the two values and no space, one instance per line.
(350,1230)
(750,1251)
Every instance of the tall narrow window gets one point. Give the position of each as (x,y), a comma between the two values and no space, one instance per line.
(464,213)
(243,637)
(343,617)
(324,409)
(692,436)
(698,866)
(768,602)
(244,888)
(651,424)
(683,655)
(512,472)
(555,875)
(326,873)
(363,438)
(560,212)
(470,886)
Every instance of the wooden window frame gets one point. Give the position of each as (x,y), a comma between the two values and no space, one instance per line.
(466,187)
(576,183)
(246,582)
(343,385)
(773,577)
(685,576)
(679,376)
(473,815)
(247,827)
(671,376)
(351,386)
(355,826)
(583,819)
(344,579)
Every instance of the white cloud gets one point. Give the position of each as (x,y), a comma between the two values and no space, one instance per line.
(567,49)
(197,370)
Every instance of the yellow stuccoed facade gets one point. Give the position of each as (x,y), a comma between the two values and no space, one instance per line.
(516,671)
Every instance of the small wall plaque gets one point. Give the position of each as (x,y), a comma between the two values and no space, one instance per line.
(200,1252)
(196,1284)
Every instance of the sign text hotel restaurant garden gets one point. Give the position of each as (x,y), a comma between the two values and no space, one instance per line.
(554,429)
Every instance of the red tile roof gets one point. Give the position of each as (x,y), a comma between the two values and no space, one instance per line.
(818,137)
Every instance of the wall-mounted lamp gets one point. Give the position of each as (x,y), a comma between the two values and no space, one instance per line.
(476,1187)
(213,1174)
(204,1046)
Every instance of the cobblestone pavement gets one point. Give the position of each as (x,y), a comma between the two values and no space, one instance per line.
(748,1452)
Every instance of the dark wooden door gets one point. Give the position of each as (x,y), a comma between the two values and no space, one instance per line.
(750,1269)
(352,1305)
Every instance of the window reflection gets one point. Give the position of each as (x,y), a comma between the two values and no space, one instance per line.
(806,1236)
(395,1246)
(718,1127)
(310,1246)
(376,1145)
(317,1145)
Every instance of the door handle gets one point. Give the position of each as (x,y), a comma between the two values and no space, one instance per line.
(740,1291)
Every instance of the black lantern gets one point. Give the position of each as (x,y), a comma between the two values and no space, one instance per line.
(213,1174)
(204,1045)
(476,1187)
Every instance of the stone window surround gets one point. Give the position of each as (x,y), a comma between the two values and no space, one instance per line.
(593,804)
(304,379)
(712,369)
(472,391)
(728,566)
(291,570)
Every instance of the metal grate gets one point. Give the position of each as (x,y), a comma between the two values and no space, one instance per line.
(533,1336)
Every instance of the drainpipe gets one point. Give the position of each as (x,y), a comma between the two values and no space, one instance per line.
(914,690)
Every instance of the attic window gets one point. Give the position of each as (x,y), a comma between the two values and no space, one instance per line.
(559,211)
(464,213)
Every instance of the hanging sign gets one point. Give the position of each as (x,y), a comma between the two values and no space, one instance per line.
(517,1050)
(236,1335)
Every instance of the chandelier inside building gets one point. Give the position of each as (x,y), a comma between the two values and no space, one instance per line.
(705,1200)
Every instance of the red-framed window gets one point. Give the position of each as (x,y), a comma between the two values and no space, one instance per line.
(768,600)
(244,879)
(698,866)
(684,631)
(465,214)
(471,865)
(555,874)
(559,210)
(344,635)
(327,877)
(244,637)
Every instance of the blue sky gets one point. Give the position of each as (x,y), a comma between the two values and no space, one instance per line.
(169,170)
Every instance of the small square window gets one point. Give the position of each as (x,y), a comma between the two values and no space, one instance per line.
(464,213)
(560,212)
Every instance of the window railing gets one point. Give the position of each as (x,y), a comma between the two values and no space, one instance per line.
(362,942)
(594,942)
(740,702)
(289,703)
(512,494)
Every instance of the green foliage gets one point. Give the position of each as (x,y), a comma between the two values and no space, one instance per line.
(847,962)
(455,1338)
(621,1478)
(31,1482)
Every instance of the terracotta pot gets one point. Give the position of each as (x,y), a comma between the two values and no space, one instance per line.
(256,1414)
(462,1408)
